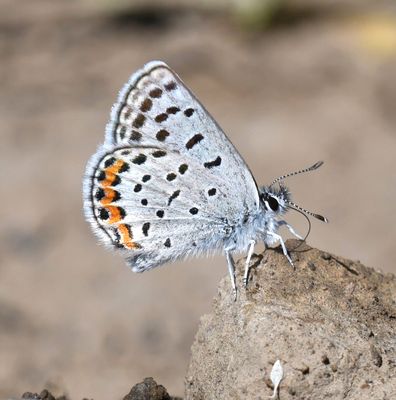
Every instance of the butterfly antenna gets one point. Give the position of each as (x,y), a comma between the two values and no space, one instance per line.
(303,210)
(312,168)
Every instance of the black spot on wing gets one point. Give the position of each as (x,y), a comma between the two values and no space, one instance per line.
(162,135)
(194,140)
(215,163)
(99,194)
(145,228)
(117,196)
(159,153)
(212,191)
(146,105)
(109,162)
(172,110)
(193,210)
(116,181)
(104,214)
(188,112)
(161,117)
(160,213)
(102,176)
(156,93)
(140,159)
(122,212)
(170,86)
(174,195)
(124,167)
(170,177)
(139,121)
(183,168)
(135,135)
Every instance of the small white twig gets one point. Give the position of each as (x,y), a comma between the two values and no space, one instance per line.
(276,377)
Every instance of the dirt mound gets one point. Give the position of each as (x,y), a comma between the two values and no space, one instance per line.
(331,322)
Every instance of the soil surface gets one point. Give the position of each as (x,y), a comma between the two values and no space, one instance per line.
(331,322)
(315,85)
(146,390)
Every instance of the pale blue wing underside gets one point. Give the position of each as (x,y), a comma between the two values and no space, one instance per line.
(170,210)
(198,203)
(181,118)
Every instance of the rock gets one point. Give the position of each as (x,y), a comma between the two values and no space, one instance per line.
(44,395)
(333,327)
(148,390)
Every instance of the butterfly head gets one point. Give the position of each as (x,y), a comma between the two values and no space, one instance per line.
(275,199)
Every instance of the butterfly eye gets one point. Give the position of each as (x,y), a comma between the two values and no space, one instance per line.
(273,203)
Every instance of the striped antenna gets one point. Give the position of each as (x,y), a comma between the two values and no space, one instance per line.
(312,168)
(319,217)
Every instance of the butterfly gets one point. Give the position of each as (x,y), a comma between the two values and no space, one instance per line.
(168,184)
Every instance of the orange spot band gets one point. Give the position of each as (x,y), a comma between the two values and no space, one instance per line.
(109,197)
(115,214)
(115,168)
(111,173)
(126,237)
(110,178)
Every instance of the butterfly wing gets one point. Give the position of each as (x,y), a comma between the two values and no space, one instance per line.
(167,182)
(152,205)
(156,109)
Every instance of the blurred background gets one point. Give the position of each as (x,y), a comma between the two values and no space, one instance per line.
(290,81)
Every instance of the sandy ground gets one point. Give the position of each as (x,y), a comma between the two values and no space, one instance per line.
(72,316)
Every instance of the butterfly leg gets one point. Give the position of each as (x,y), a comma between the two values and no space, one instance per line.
(231,270)
(282,243)
(249,256)
(290,228)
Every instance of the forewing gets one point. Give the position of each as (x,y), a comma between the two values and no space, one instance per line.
(156,109)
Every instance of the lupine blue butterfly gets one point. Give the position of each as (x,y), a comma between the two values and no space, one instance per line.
(167,183)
